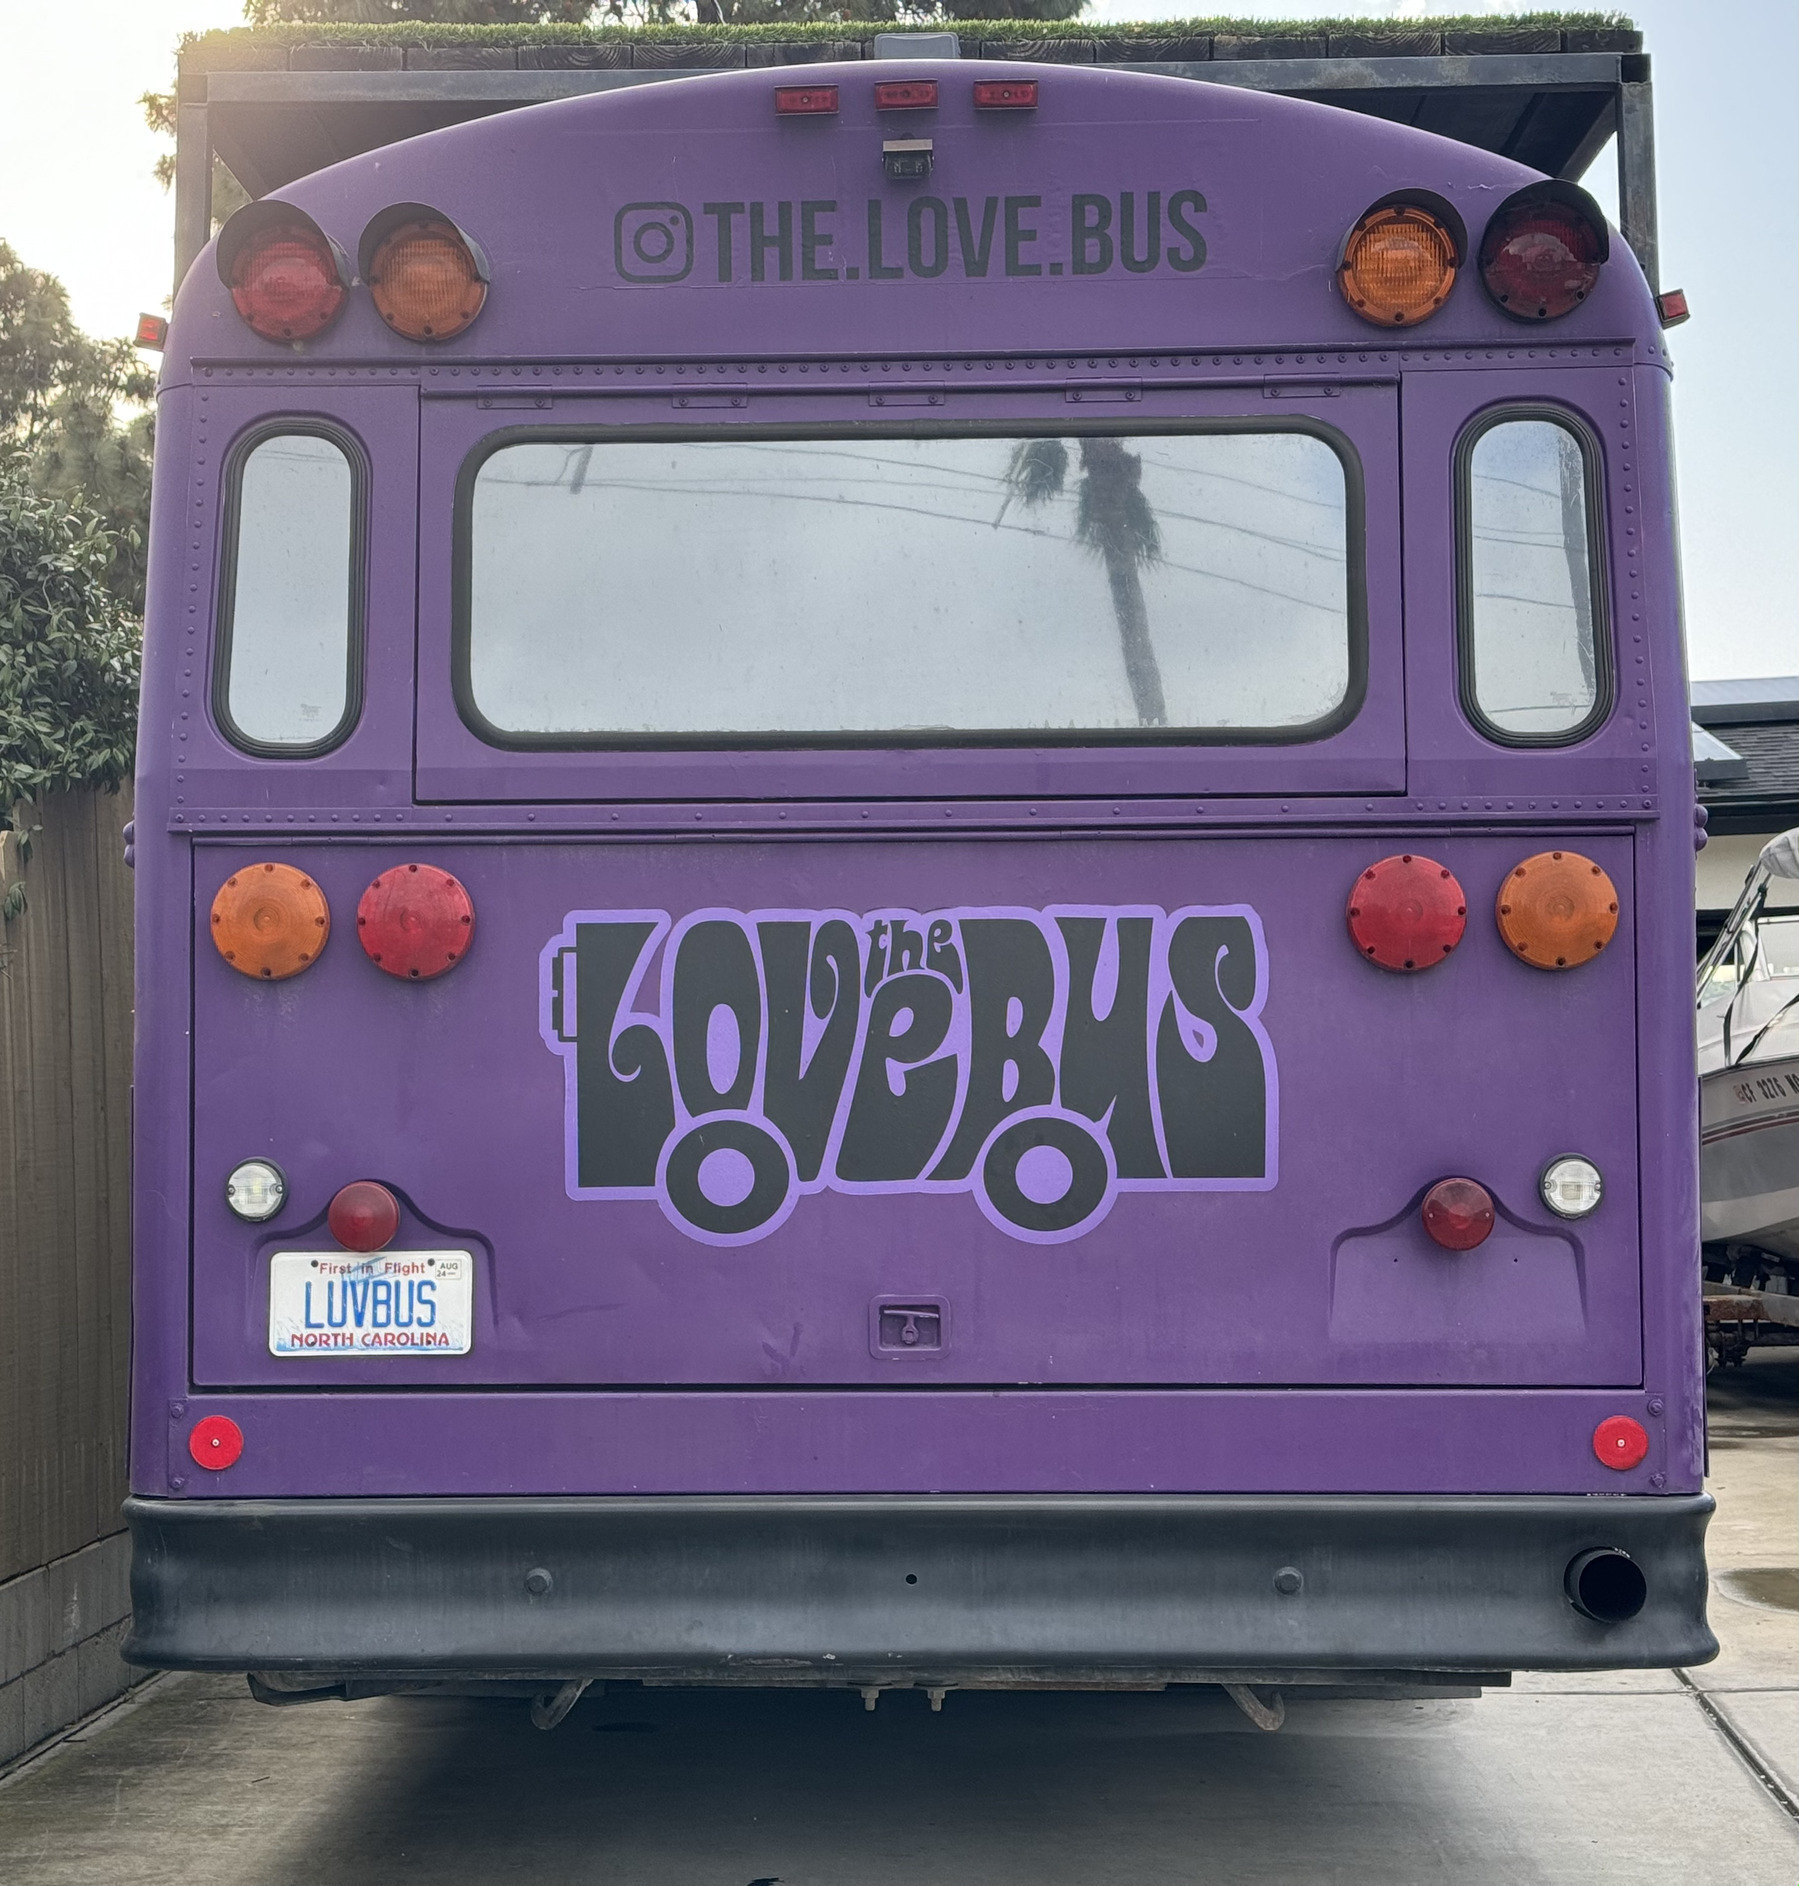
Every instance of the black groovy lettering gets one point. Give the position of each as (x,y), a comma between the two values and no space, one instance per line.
(1105,1074)
(1130,232)
(892,1128)
(1207,1099)
(803,1101)
(715,968)
(1012,985)
(628,1106)
(1043,1060)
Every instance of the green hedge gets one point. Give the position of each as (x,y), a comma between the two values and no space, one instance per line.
(221,48)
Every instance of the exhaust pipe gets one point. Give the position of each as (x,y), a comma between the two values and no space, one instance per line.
(1606,1585)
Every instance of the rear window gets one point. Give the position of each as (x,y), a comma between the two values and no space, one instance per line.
(289,593)
(928,589)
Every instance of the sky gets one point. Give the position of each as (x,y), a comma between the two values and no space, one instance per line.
(77,198)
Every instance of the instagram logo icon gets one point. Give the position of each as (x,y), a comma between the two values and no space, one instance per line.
(653,242)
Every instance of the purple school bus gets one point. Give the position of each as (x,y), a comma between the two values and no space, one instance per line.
(914,851)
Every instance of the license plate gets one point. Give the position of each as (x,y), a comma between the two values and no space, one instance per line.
(397,1303)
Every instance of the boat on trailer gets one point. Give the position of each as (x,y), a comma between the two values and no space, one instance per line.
(1748,1002)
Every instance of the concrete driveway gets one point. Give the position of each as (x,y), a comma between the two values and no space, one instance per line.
(1685,1777)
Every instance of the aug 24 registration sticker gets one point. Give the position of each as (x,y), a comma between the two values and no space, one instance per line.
(396,1303)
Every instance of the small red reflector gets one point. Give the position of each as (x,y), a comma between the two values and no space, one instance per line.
(153,331)
(1620,1443)
(1407,913)
(415,922)
(1458,1214)
(1005,94)
(217,1442)
(364,1216)
(805,101)
(1671,306)
(906,95)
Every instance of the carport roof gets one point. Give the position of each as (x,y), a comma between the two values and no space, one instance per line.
(284,101)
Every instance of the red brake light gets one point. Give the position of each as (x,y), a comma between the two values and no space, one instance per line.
(1671,305)
(364,1216)
(152,333)
(805,101)
(906,95)
(285,281)
(1541,254)
(1407,913)
(1005,94)
(1458,1214)
(415,922)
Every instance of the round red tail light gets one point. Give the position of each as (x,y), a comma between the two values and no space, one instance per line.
(1542,251)
(1458,1214)
(286,277)
(364,1216)
(428,278)
(1407,913)
(415,922)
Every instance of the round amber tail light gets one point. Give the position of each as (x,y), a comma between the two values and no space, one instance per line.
(429,281)
(1557,910)
(1398,265)
(270,921)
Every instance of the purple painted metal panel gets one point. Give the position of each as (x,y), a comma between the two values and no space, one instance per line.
(447,1092)
(1002,1441)
(1402,1369)
(564,199)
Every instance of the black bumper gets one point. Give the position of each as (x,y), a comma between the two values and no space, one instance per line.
(891,1590)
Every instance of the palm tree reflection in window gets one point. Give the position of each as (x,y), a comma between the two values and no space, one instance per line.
(1114,521)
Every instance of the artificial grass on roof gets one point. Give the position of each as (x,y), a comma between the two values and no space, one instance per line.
(229,46)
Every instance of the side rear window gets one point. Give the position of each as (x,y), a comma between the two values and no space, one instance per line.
(290,584)
(1534,651)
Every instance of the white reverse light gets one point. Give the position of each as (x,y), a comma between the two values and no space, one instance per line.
(256,1190)
(1571,1187)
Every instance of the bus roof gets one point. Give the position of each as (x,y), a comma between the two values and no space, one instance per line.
(1165,216)
(1548,91)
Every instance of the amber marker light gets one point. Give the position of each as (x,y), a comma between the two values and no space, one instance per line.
(270,921)
(1556,910)
(428,278)
(1399,264)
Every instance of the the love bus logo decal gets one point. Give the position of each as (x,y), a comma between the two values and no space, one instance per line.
(969,238)
(1043,1060)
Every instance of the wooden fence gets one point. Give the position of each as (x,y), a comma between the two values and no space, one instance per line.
(65,1172)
